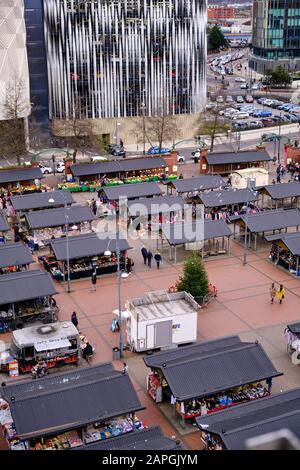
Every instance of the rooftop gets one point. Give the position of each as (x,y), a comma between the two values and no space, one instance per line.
(3,223)
(57,217)
(268,220)
(41,200)
(246,156)
(281,190)
(154,206)
(20,174)
(15,254)
(227,197)
(190,232)
(291,241)
(200,183)
(132,191)
(44,333)
(120,166)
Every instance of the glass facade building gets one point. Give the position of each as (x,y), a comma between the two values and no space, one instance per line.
(121,56)
(276,35)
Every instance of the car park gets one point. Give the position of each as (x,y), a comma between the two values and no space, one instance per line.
(239,99)
(240,79)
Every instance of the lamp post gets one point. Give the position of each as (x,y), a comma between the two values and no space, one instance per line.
(117,133)
(143,108)
(250,185)
(74,227)
(279,138)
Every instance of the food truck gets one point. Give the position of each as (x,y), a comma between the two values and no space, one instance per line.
(54,343)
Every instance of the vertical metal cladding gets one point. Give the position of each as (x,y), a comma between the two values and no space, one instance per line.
(117,54)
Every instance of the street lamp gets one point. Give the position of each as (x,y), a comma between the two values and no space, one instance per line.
(74,227)
(279,138)
(250,186)
(143,108)
(117,133)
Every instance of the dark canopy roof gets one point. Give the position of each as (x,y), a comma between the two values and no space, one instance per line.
(3,223)
(145,439)
(41,200)
(190,232)
(70,400)
(132,191)
(156,205)
(85,245)
(14,254)
(237,424)
(270,220)
(56,217)
(25,285)
(20,174)
(200,183)
(207,368)
(291,241)
(122,166)
(281,190)
(247,156)
(227,197)
(294,328)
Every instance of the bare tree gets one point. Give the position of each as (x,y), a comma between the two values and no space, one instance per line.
(161,126)
(13,128)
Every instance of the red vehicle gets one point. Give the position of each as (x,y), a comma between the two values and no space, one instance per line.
(267,122)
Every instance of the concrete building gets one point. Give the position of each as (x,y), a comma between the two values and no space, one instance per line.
(276,35)
(220,12)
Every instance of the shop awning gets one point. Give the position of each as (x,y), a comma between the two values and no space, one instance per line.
(228,158)
(132,191)
(268,220)
(201,183)
(291,241)
(156,205)
(70,400)
(239,423)
(57,217)
(281,190)
(20,174)
(41,200)
(81,246)
(25,285)
(145,439)
(122,166)
(52,344)
(227,197)
(15,254)
(294,328)
(3,223)
(207,368)
(190,232)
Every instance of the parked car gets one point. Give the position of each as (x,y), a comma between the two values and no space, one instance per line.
(220,99)
(270,137)
(268,102)
(293,117)
(154,150)
(229,99)
(45,169)
(244,86)
(240,79)
(239,99)
(240,126)
(267,122)
(262,113)
(276,103)
(240,115)
(256,125)
(255,86)
(249,99)
(60,167)
(116,150)
(261,100)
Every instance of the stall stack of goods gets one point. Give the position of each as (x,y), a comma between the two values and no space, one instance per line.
(67,440)
(113,428)
(8,428)
(284,258)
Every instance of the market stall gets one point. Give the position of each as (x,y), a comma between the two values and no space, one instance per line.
(86,255)
(281,194)
(292,337)
(21,180)
(285,251)
(14,257)
(3,227)
(224,163)
(192,186)
(131,191)
(45,224)
(227,199)
(230,429)
(209,237)
(25,296)
(38,201)
(83,406)
(265,222)
(207,377)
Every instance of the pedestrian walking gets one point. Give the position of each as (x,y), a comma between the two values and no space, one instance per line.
(94,281)
(272,292)
(280,293)
(125,368)
(149,258)
(144,254)
(278,179)
(74,319)
(157,258)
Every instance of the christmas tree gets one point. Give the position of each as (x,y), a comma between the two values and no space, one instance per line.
(194,279)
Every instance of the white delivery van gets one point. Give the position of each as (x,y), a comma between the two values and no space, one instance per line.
(161,320)
(239,178)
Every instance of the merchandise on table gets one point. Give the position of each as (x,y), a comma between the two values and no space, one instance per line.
(284,258)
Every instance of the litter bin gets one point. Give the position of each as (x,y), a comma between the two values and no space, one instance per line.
(116,353)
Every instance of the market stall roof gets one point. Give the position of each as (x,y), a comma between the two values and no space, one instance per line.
(41,200)
(3,223)
(15,254)
(291,241)
(237,424)
(70,400)
(25,285)
(227,197)
(215,366)
(20,174)
(268,220)
(154,206)
(145,439)
(122,166)
(281,190)
(200,183)
(57,217)
(90,244)
(247,156)
(184,232)
(132,191)
(294,328)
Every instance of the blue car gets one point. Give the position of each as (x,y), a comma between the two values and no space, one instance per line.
(262,113)
(156,151)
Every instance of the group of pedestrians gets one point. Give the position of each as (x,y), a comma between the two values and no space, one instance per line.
(148,256)
(279,292)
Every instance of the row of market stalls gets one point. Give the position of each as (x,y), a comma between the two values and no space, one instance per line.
(21,180)
(226,162)
(94,408)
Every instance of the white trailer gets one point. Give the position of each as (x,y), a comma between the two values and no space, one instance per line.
(161,320)
(239,178)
